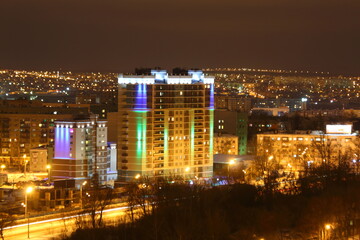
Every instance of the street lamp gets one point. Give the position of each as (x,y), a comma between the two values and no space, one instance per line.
(27,191)
(2,167)
(325,232)
(327,226)
(137,176)
(231,162)
(48,167)
(187,170)
(81,190)
(25,162)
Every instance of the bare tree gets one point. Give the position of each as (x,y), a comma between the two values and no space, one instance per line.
(6,220)
(324,149)
(266,167)
(356,155)
(141,195)
(94,202)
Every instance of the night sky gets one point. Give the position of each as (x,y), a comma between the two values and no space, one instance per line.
(119,35)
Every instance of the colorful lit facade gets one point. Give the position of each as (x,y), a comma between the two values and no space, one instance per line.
(166,125)
(80,150)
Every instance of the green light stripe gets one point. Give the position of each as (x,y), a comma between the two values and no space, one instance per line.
(166,144)
(192,136)
(140,137)
(211,133)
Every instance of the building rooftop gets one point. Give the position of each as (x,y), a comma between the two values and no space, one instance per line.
(162,77)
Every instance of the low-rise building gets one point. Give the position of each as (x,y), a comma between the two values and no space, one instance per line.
(226,144)
(276,112)
(294,151)
(39,159)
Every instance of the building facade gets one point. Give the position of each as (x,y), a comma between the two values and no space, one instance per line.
(235,123)
(294,151)
(80,150)
(165,125)
(111,169)
(39,159)
(226,144)
(233,103)
(293,105)
(23,131)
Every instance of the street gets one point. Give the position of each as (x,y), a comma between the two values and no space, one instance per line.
(53,228)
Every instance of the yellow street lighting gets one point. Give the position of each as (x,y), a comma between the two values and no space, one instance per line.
(48,167)
(271,157)
(2,167)
(186,172)
(231,162)
(327,226)
(81,193)
(137,176)
(27,191)
(25,163)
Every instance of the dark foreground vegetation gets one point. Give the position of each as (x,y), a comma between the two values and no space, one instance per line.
(323,204)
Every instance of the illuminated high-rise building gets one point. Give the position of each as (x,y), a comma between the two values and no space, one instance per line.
(166,125)
(80,150)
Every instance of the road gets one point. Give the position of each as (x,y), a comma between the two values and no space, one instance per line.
(54,228)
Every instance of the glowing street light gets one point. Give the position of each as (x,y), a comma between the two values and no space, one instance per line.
(137,176)
(3,167)
(48,167)
(25,163)
(231,162)
(27,191)
(326,232)
(327,226)
(186,170)
(81,194)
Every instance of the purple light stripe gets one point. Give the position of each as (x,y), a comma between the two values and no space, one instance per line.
(141,97)
(212,96)
(62,142)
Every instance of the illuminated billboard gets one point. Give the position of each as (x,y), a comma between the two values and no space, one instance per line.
(339,129)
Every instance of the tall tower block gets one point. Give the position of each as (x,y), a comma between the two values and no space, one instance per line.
(165,125)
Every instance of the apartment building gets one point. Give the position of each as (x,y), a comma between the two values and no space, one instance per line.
(165,125)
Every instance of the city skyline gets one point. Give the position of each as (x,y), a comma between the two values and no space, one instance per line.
(119,36)
(139,119)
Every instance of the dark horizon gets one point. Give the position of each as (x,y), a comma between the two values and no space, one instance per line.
(111,36)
